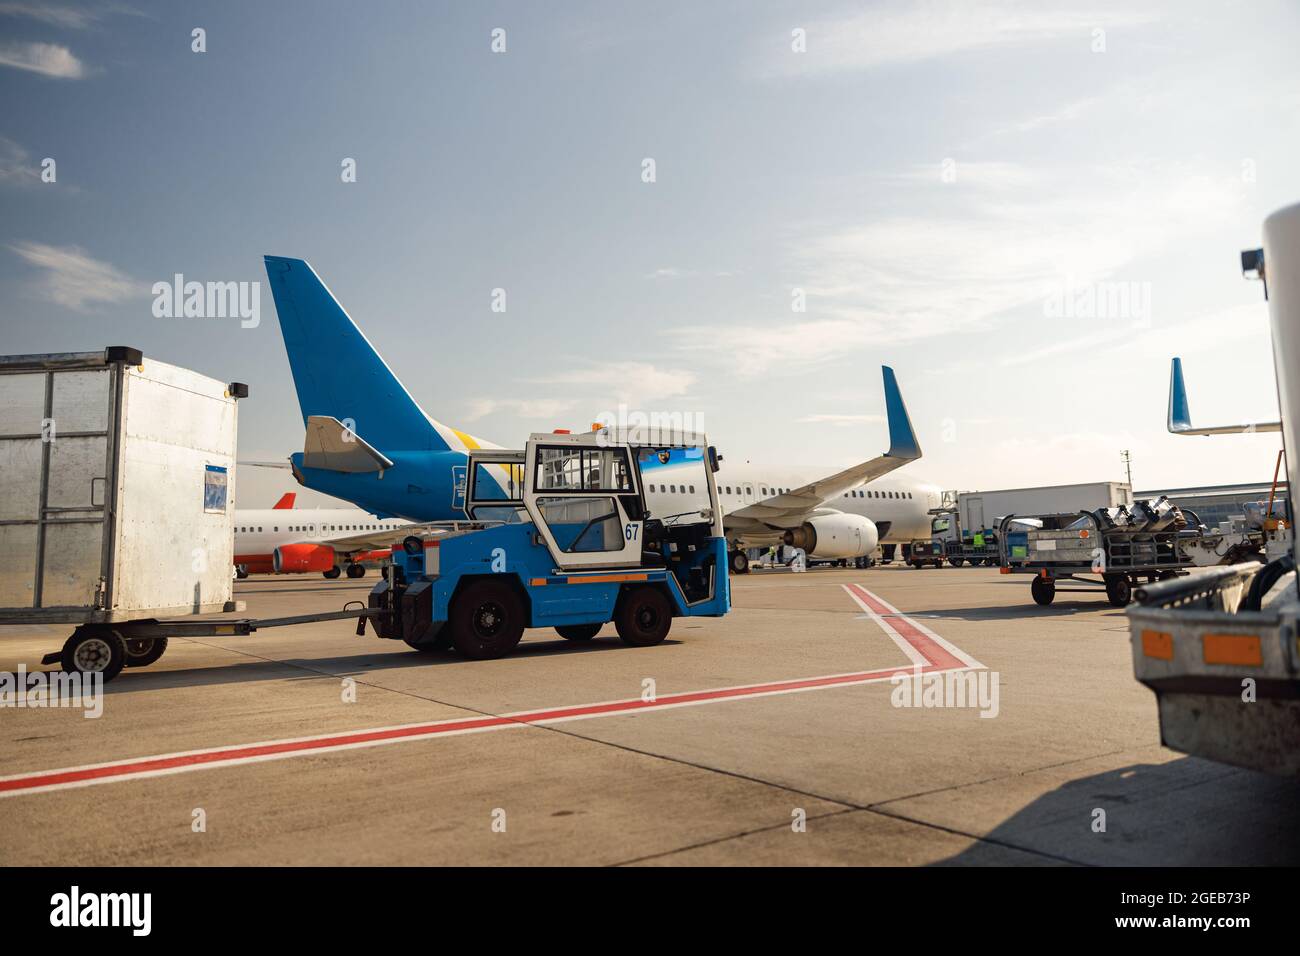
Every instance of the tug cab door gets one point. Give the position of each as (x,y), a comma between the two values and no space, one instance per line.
(585,499)
(494,485)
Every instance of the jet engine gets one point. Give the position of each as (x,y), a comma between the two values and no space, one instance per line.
(299,558)
(835,535)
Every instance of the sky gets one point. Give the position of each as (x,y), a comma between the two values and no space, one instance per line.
(1026,209)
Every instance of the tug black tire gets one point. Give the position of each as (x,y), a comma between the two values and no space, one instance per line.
(486,620)
(432,645)
(643,616)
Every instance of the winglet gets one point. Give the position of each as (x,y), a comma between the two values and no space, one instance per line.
(1180,418)
(902,437)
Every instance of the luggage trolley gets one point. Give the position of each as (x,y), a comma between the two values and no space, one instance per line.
(1079,546)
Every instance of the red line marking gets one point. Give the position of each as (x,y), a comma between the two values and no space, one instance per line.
(937,657)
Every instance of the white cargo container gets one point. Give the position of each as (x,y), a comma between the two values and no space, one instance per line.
(116,488)
(982,509)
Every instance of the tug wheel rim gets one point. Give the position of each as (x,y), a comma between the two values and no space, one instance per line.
(488,619)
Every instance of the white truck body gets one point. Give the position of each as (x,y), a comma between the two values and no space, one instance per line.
(982,509)
(116,488)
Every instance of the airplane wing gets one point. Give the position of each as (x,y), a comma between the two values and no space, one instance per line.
(266,464)
(1180,419)
(382,538)
(797,504)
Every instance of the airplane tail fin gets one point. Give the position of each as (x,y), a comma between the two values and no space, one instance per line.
(337,372)
(902,437)
(903,447)
(1180,417)
(286,501)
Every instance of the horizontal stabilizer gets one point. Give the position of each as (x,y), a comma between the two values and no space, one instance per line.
(1180,418)
(331,446)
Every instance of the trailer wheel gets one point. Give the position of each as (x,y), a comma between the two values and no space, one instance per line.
(1119,591)
(1043,590)
(486,620)
(143,651)
(739,562)
(94,651)
(643,617)
(956,562)
(578,632)
(918,565)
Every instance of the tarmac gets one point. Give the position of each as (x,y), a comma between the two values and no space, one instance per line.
(776,735)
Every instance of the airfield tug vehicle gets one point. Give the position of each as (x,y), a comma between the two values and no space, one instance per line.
(563,541)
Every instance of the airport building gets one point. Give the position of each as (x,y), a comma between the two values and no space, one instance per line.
(1216,503)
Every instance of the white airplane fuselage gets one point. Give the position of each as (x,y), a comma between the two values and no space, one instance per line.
(898,504)
(259,531)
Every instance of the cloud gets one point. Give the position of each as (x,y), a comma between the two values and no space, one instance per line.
(72,278)
(988,174)
(834,418)
(68,17)
(916,32)
(16,166)
(1065,114)
(1002,238)
(673,272)
(521,407)
(48,59)
(632,383)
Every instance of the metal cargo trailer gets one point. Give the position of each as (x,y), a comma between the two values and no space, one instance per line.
(116,488)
